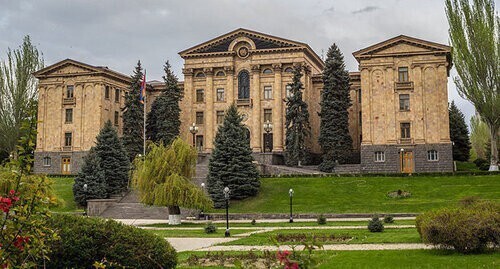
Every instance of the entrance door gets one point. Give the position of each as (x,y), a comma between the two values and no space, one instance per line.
(407,162)
(268,142)
(66,165)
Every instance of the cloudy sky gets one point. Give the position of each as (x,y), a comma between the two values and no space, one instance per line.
(118,33)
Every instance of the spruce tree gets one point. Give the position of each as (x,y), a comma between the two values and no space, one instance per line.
(334,137)
(114,160)
(297,121)
(459,134)
(231,164)
(163,122)
(91,174)
(133,117)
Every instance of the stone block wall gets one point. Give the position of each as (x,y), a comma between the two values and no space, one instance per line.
(55,167)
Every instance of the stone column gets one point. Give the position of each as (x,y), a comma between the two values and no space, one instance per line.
(256,134)
(392,106)
(417,105)
(209,109)
(188,114)
(230,84)
(366,111)
(277,110)
(442,86)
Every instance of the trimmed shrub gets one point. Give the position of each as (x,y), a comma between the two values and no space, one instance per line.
(321,220)
(253,222)
(388,219)
(482,164)
(468,228)
(210,228)
(375,225)
(83,241)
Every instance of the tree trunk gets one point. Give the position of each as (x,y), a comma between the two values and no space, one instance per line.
(174,215)
(494,148)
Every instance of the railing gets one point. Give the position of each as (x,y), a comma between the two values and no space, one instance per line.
(69,101)
(403,85)
(406,141)
(67,148)
(244,102)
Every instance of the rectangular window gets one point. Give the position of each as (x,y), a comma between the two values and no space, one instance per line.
(199,143)
(404,102)
(288,91)
(220,94)
(200,96)
(360,118)
(47,161)
(379,156)
(268,115)
(117,95)
(268,92)
(403,74)
(359,96)
(70,91)
(432,155)
(405,130)
(220,117)
(69,115)
(117,117)
(199,117)
(106,92)
(68,139)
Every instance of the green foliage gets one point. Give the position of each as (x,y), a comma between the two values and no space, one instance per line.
(388,219)
(334,137)
(479,136)
(459,134)
(321,219)
(375,225)
(254,222)
(210,228)
(482,164)
(163,121)
(164,177)
(133,117)
(231,163)
(113,159)
(468,228)
(297,121)
(84,241)
(91,174)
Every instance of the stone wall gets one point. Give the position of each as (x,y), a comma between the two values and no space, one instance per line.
(55,167)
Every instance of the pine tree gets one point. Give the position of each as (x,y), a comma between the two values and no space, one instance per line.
(91,174)
(231,164)
(133,117)
(459,134)
(297,121)
(113,158)
(163,122)
(334,137)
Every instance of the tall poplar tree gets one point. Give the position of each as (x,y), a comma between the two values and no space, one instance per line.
(163,121)
(133,116)
(334,137)
(297,121)
(459,134)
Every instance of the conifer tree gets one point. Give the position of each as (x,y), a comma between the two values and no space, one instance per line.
(231,164)
(113,157)
(297,121)
(459,134)
(91,174)
(133,117)
(163,122)
(334,137)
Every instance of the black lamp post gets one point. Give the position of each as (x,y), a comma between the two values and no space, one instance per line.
(268,127)
(193,129)
(226,195)
(202,214)
(85,188)
(291,196)
(402,150)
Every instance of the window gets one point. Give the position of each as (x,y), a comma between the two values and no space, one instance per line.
(432,155)
(47,161)
(360,118)
(220,74)
(200,75)
(243,85)
(69,115)
(220,94)
(288,70)
(267,71)
(268,115)
(405,130)
(117,117)
(68,139)
(106,92)
(359,96)
(379,156)
(117,95)
(200,96)
(403,74)
(199,142)
(268,92)
(70,91)
(404,102)
(288,90)
(220,117)
(199,117)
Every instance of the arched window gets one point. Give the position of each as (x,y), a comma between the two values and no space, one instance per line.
(220,74)
(288,70)
(247,134)
(47,161)
(200,75)
(243,85)
(267,71)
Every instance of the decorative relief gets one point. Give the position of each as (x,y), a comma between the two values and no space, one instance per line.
(277,67)
(243,52)
(188,71)
(229,69)
(208,71)
(256,68)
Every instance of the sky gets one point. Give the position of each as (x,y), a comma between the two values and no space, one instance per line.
(117,34)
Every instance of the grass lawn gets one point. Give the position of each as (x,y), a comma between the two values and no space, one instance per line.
(366,194)
(195,233)
(63,189)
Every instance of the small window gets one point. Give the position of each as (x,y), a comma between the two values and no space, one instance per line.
(403,74)
(268,115)
(117,117)
(47,161)
(69,115)
(200,75)
(68,139)
(359,96)
(432,155)
(220,74)
(106,92)
(117,95)
(288,70)
(404,102)
(288,91)
(199,142)
(268,92)
(220,94)
(199,117)
(379,156)
(405,130)
(267,71)
(200,96)
(70,91)
(360,118)
(220,117)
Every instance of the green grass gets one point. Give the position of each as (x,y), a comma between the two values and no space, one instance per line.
(63,189)
(196,233)
(366,194)
(467,166)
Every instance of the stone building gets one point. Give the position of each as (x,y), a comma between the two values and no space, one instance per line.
(398,120)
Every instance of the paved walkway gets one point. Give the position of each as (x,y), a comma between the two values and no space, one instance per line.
(194,243)
(325,247)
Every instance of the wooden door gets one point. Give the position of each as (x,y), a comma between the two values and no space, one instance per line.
(66,165)
(407,162)
(268,142)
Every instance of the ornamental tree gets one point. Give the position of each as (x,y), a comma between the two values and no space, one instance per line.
(133,117)
(93,175)
(459,134)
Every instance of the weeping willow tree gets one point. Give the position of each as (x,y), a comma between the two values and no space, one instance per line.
(164,178)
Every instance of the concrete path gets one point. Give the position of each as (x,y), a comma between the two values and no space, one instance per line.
(325,247)
(190,244)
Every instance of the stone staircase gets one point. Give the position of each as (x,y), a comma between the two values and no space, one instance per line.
(130,208)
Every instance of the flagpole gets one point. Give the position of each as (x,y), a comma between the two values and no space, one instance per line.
(144,117)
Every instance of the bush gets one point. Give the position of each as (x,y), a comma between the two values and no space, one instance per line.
(253,222)
(388,219)
(482,164)
(84,241)
(468,228)
(210,228)
(375,225)
(321,220)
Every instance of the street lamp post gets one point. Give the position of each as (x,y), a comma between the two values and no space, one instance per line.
(268,127)
(202,214)
(85,188)
(226,195)
(402,150)
(193,129)
(291,196)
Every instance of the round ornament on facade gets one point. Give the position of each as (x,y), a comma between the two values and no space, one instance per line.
(243,52)
(244,117)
